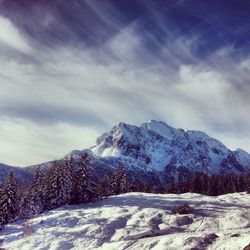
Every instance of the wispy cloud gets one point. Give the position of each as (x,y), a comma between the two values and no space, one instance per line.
(56,97)
(25,142)
(11,37)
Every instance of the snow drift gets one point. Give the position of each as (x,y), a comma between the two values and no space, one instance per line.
(138,221)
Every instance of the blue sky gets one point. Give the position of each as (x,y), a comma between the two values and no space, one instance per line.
(70,70)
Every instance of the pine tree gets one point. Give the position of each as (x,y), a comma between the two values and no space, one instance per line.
(51,187)
(238,184)
(85,188)
(171,188)
(118,181)
(154,189)
(72,171)
(134,186)
(248,182)
(65,183)
(32,202)
(60,185)
(200,183)
(8,202)
(213,185)
(103,187)
(3,207)
(231,184)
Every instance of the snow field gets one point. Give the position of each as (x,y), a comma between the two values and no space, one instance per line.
(138,221)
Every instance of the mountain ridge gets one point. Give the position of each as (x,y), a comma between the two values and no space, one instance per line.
(157,152)
(156,146)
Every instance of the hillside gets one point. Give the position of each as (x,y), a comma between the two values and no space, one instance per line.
(138,221)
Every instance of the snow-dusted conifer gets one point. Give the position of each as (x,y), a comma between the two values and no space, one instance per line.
(51,187)
(33,201)
(3,207)
(8,200)
(118,181)
(85,189)
(63,178)
(248,182)
(59,189)
(65,183)
(104,188)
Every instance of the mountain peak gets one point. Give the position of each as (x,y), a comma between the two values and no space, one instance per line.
(153,122)
(161,128)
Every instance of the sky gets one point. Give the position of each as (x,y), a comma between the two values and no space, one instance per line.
(71,70)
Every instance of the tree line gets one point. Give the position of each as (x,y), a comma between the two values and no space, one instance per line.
(68,183)
(211,185)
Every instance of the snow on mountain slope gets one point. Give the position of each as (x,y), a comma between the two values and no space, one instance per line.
(155,146)
(242,157)
(138,221)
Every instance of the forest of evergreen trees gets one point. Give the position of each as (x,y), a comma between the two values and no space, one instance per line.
(67,183)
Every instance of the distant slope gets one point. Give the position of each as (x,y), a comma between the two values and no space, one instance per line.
(21,174)
(138,221)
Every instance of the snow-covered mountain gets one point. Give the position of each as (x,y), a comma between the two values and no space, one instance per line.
(163,152)
(156,146)
(157,152)
(138,221)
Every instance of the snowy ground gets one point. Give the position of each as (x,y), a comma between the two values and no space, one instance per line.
(138,221)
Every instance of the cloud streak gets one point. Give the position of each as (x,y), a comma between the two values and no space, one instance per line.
(58,96)
(11,37)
